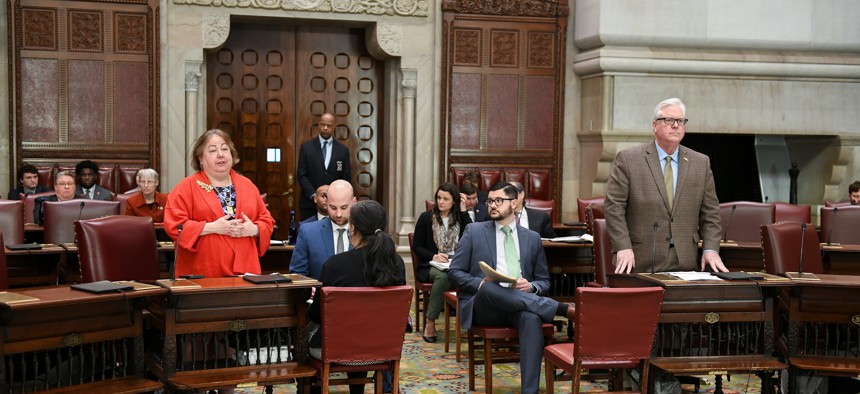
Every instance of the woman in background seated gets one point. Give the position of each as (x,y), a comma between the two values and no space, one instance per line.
(64,188)
(226,226)
(437,234)
(372,262)
(147,202)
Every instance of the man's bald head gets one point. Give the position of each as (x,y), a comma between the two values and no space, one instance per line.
(339,200)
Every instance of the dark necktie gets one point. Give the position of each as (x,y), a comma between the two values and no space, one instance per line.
(325,159)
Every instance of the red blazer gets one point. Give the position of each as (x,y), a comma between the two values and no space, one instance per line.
(214,255)
(137,206)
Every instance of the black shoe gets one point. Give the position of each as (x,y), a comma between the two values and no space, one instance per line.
(430,339)
(409,326)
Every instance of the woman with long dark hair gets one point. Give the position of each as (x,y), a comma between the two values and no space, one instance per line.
(437,233)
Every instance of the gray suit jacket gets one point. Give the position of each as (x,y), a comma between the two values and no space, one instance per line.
(479,244)
(636,199)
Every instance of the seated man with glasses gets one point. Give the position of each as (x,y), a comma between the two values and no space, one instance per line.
(516,252)
(148,202)
(64,187)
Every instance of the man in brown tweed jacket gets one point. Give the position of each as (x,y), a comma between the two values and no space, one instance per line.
(663,190)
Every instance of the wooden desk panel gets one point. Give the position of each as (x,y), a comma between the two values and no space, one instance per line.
(34,267)
(570,265)
(841,260)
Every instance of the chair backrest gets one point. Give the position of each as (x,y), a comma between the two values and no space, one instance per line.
(596,204)
(429,204)
(117,248)
(4,272)
(30,205)
(602,252)
(744,223)
(840,221)
(60,216)
(781,248)
(12,221)
(831,204)
(414,256)
(602,323)
(785,212)
(123,200)
(546,206)
(352,333)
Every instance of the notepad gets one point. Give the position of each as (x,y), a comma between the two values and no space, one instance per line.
(266,279)
(101,287)
(495,275)
(29,246)
(737,276)
(440,266)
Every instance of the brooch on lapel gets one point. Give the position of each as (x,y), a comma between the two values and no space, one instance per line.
(339,165)
(204,186)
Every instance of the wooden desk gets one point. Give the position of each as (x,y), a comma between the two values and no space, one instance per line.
(34,267)
(69,338)
(823,326)
(742,256)
(570,265)
(206,337)
(843,259)
(713,327)
(276,259)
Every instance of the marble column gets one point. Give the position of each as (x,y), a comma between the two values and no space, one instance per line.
(408,85)
(192,86)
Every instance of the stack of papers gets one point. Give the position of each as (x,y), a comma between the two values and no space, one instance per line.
(440,266)
(572,239)
(693,275)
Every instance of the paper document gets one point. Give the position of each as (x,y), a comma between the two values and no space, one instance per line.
(693,275)
(495,275)
(439,265)
(572,238)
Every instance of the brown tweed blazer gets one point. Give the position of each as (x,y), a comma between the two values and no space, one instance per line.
(636,199)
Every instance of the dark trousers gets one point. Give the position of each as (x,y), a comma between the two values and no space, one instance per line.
(499,306)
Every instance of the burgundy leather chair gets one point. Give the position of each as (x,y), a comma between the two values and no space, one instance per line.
(841,221)
(602,253)
(12,221)
(604,337)
(117,248)
(596,204)
(781,248)
(4,271)
(429,204)
(123,200)
(785,212)
(422,289)
(546,206)
(743,225)
(30,205)
(60,216)
(350,333)
(831,204)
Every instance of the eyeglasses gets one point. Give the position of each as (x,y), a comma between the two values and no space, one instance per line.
(672,121)
(66,184)
(498,201)
(146,183)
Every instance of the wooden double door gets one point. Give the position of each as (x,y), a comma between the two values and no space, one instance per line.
(268,85)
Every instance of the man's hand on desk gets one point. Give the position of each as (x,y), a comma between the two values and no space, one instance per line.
(713,260)
(624,261)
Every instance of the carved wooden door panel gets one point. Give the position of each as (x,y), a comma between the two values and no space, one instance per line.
(269,84)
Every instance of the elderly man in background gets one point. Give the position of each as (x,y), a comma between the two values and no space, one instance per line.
(148,201)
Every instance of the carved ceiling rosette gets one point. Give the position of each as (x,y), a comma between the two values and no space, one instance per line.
(535,8)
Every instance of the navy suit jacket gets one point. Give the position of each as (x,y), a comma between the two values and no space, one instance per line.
(314,246)
(99,193)
(482,214)
(312,172)
(479,244)
(15,194)
(540,223)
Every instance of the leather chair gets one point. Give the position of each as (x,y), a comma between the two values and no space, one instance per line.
(596,204)
(422,289)
(831,204)
(602,253)
(352,334)
(60,216)
(429,204)
(781,248)
(30,205)
(546,206)
(503,339)
(117,248)
(12,221)
(604,337)
(785,212)
(4,271)
(743,224)
(840,221)
(123,200)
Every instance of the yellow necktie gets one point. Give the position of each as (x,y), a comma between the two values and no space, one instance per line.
(669,181)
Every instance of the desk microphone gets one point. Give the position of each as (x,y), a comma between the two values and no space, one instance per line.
(832,222)
(654,251)
(802,238)
(726,233)
(81,211)
(765,199)
(175,254)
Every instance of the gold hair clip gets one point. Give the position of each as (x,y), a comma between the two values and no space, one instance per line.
(204,186)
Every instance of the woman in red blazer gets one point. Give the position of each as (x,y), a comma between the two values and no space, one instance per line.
(225,224)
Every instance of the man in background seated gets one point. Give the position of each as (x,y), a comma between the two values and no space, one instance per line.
(317,241)
(88,174)
(476,210)
(516,252)
(533,219)
(474,177)
(322,208)
(853,193)
(64,186)
(28,175)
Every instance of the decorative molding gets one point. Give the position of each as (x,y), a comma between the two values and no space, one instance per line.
(384,40)
(418,8)
(192,76)
(538,8)
(216,29)
(408,86)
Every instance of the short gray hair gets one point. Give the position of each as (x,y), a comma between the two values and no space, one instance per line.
(146,173)
(65,173)
(667,102)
